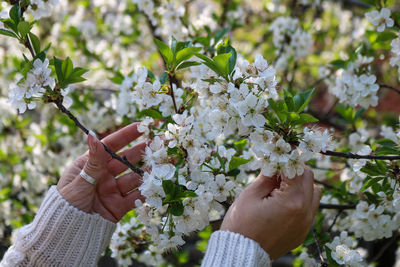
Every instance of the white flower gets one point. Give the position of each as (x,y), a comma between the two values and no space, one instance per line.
(380,19)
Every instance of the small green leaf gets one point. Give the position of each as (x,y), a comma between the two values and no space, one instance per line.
(386,36)
(15,14)
(163,77)
(305,118)
(186,54)
(289,102)
(150,113)
(176,208)
(67,67)
(338,63)
(35,42)
(369,183)
(187,194)
(236,162)
(188,64)
(168,187)
(11,25)
(7,33)
(301,100)
(220,33)
(58,66)
(222,64)
(24,27)
(165,51)
(118,78)
(240,145)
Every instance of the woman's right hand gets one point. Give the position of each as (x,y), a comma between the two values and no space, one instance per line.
(275,212)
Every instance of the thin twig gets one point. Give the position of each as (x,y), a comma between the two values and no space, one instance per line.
(124,160)
(390,87)
(356,156)
(334,220)
(328,186)
(337,206)
(385,247)
(64,110)
(323,262)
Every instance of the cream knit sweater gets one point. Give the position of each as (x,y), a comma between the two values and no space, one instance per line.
(62,235)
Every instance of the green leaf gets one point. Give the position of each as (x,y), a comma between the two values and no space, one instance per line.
(370,182)
(240,145)
(58,66)
(150,113)
(176,208)
(187,194)
(188,64)
(338,63)
(222,64)
(163,77)
(165,51)
(301,100)
(67,67)
(386,36)
(168,187)
(186,54)
(305,118)
(7,33)
(72,80)
(289,101)
(78,71)
(118,78)
(372,170)
(35,42)
(220,33)
(10,24)
(208,62)
(24,27)
(293,116)
(15,14)
(236,162)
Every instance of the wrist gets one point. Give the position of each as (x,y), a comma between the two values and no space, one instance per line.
(79,193)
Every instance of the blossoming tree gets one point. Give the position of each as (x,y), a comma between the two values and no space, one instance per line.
(223,91)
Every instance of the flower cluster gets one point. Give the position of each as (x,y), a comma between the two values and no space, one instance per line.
(355,86)
(342,251)
(395,59)
(41,8)
(381,19)
(27,92)
(290,40)
(189,160)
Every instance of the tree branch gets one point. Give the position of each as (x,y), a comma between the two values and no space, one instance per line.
(390,87)
(356,156)
(323,262)
(337,206)
(64,110)
(123,159)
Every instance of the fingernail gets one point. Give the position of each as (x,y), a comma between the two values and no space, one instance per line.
(93,134)
(91,142)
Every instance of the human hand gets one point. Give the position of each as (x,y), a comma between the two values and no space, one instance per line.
(111,198)
(275,212)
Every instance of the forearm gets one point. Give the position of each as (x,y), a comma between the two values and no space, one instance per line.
(60,235)
(228,249)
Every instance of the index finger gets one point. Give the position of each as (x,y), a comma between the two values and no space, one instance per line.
(122,137)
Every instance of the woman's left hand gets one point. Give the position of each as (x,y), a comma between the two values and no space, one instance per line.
(110,197)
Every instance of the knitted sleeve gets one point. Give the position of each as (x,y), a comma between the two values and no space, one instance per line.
(228,249)
(60,235)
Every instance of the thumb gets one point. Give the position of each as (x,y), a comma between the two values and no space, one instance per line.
(264,185)
(98,157)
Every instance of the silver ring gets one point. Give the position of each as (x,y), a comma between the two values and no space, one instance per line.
(88,178)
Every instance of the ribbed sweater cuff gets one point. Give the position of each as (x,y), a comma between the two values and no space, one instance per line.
(61,235)
(234,250)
